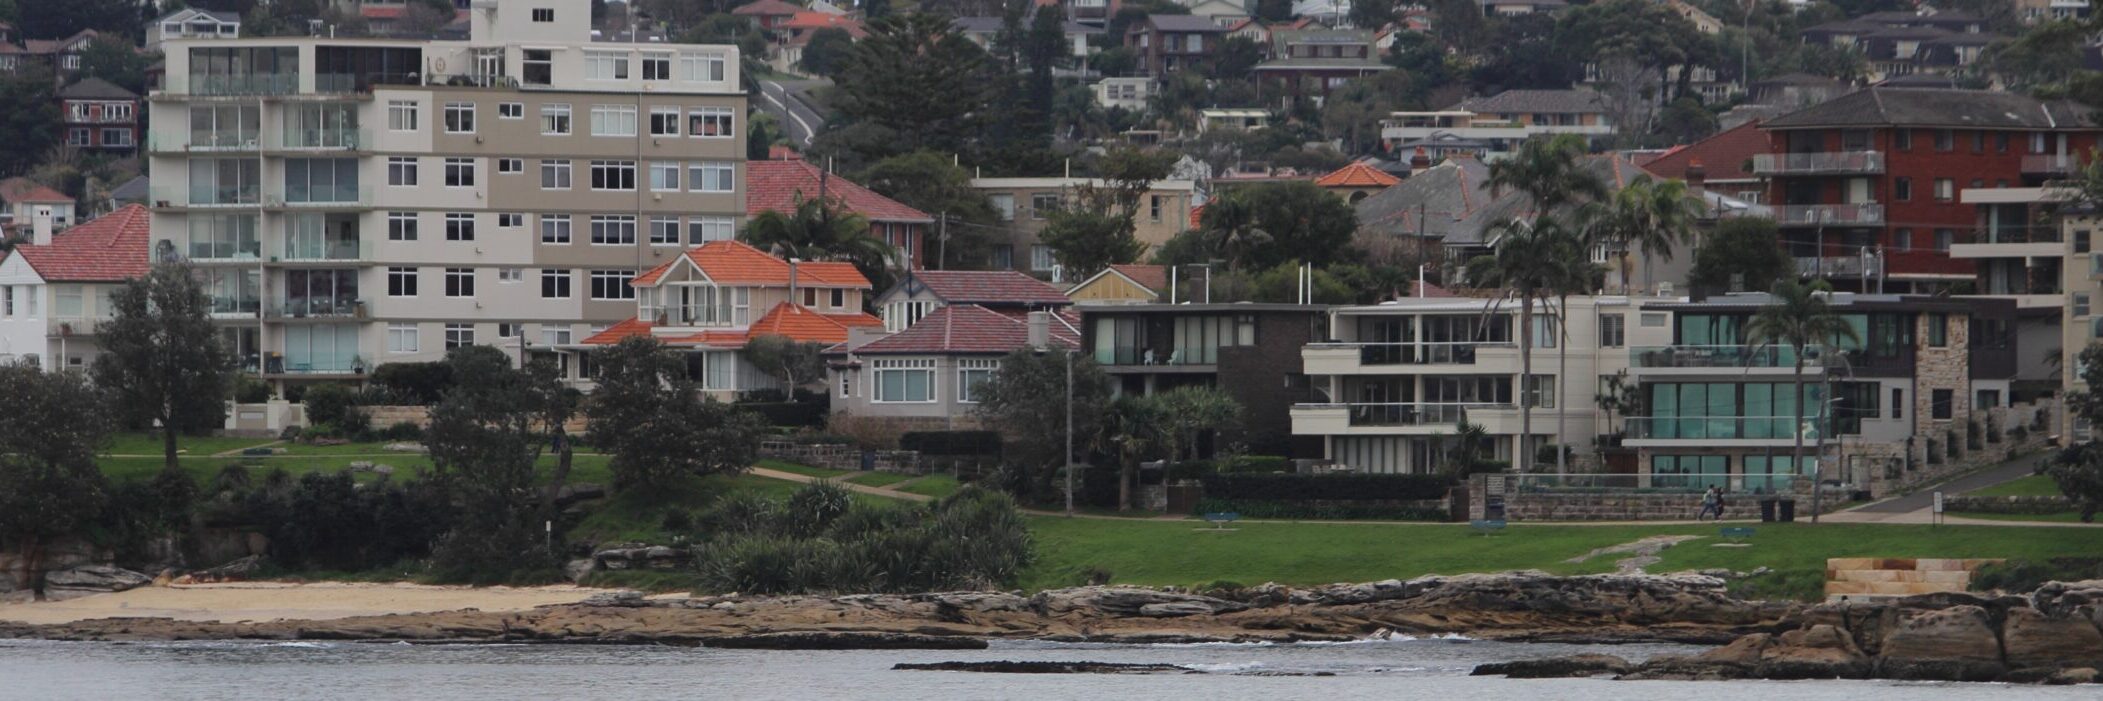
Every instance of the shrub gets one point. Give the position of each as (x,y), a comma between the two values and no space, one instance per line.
(974,539)
(1262,464)
(1263,508)
(249,389)
(813,508)
(951,442)
(402,431)
(1348,487)
(2016,576)
(329,404)
(417,383)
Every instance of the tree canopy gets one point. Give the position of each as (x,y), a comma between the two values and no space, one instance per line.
(162,360)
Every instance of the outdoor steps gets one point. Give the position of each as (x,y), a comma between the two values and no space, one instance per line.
(1871,577)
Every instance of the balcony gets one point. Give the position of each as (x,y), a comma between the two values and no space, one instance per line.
(316,308)
(320,140)
(201,142)
(207,252)
(322,198)
(1727,357)
(233,307)
(179,197)
(2051,164)
(254,85)
(1839,266)
(1355,358)
(1418,418)
(1716,431)
(328,251)
(2012,242)
(1863,214)
(1834,163)
(1142,360)
(75,326)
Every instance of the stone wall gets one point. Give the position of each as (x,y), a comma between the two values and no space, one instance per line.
(1940,368)
(1611,504)
(1871,577)
(388,416)
(841,456)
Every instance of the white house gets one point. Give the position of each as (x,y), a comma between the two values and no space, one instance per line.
(55,291)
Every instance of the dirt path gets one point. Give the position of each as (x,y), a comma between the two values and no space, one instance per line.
(1641,553)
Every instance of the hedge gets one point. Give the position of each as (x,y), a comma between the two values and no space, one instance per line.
(424,383)
(789,413)
(1255,464)
(1262,508)
(951,442)
(1346,487)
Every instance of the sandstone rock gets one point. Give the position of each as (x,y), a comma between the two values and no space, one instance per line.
(1587,665)
(1744,652)
(578,569)
(845,641)
(623,598)
(405,448)
(2032,639)
(1176,609)
(91,580)
(2076,675)
(1817,652)
(2063,598)
(1951,644)
(1685,668)
(1120,601)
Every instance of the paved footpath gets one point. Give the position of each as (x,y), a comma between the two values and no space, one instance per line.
(1918,507)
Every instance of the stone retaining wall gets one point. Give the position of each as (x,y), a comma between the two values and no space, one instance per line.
(841,456)
(1871,577)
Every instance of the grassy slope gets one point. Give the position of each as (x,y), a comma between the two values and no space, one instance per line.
(194,446)
(937,486)
(2032,486)
(879,479)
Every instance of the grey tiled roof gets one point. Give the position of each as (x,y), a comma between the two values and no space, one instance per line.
(1185,23)
(1884,106)
(1443,194)
(96,89)
(1528,101)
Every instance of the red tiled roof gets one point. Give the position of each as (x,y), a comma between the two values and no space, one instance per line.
(1356,175)
(1197,217)
(613,334)
(775,186)
(801,324)
(382,11)
(738,263)
(969,328)
(767,8)
(1153,277)
(989,287)
(820,20)
(110,248)
(20,189)
(1722,156)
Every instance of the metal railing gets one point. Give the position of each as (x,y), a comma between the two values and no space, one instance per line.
(1600,483)
(1830,266)
(2016,234)
(1721,427)
(177,196)
(2051,164)
(1829,214)
(320,139)
(316,307)
(1722,356)
(1414,352)
(1810,163)
(1406,413)
(209,142)
(234,306)
(1148,356)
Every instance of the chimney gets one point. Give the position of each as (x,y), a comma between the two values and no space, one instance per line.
(42,235)
(1040,330)
(793,299)
(1697,175)
(1419,162)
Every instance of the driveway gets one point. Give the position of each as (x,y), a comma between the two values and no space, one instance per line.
(784,100)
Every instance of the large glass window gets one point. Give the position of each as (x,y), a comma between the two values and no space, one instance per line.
(321,292)
(711,122)
(613,229)
(331,348)
(1118,341)
(225,181)
(1690,471)
(321,125)
(224,126)
(244,70)
(1730,410)
(321,180)
(612,284)
(903,379)
(613,120)
(972,372)
(224,236)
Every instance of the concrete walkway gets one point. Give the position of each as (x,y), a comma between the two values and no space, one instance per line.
(839,480)
(1918,507)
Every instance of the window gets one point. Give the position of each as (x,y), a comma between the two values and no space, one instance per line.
(511,166)
(555,228)
(1902,139)
(554,284)
(1004,205)
(846,383)
(1938,330)
(459,335)
(664,177)
(1613,330)
(903,380)
(77,136)
(537,66)
(1945,189)
(712,176)
(555,175)
(613,229)
(612,284)
(1898,403)
(2000,141)
(511,110)
(321,180)
(459,172)
(2080,304)
(459,282)
(543,14)
(605,65)
(613,120)
(510,275)
(664,231)
(555,120)
(550,336)
(1945,140)
(401,226)
(2081,242)
(613,175)
(711,123)
(116,137)
(510,220)
(510,330)
(664,121)
(1042,204)
(1041,258)
(459,226)
(401,338)
(1154,208)
(1941,403)
(839,299)
(401,115)
(401,282)
(459,118)
(657,66)
(401,171)
(1943,238)
(1652,320)
(1978,141)
(1902,189)
(700,230)
(702,67)
(1540,390)
(972,372)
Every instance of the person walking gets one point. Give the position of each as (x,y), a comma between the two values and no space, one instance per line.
(1711,504)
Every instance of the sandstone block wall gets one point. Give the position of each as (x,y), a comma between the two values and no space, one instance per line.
(1872,577)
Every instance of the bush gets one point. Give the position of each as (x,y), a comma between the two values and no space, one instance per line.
(1348,487)
(329,404)
(1262,508)
(951,442)
(1256,464)
(2015,576)
(249,389)
(800,414)
(402,431)
(418,383)
(974,539)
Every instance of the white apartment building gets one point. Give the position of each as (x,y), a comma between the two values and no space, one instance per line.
(352,202)
(1401,375)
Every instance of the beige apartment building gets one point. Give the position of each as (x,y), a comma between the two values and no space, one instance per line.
(1025,205)
(353,202)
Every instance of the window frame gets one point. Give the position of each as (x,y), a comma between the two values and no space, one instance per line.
(404,282)
(562,280)
(557,119)
(459,283)
(556,226)
(460,227)
(561,170)
(882,367)
(460,172)
(459,117)
(395,334)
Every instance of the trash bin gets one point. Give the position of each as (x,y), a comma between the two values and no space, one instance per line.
(1788,511)
(1767,510)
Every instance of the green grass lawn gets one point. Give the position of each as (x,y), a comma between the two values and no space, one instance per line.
(638,515)
(194,446)
(2032,486)
(2057,517)
(879,479)
(373,448)
(801,469)
(936,486)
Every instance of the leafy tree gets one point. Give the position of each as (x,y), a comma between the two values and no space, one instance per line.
(111,58)
(658,425)
(1522,52)
(935,184)
(1745,247)
(29,116)
(1648,217)
(162,361)
(1230,220)
(1799,318)
(1027,402)
(1086,240)
(1352,113)
(486,437)
(1685,121)
(828,52)
(49,484)
(1116,61)
(1646,36)
(816,230)
(2043,59)
(1302,222)
(918,78)
(58,19)
(1373,14)
(1273,11)
(760,136)
(1236,58)
(1526,261)
(2078,470)
(795,363)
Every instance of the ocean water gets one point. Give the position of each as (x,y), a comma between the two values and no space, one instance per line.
(1413,669)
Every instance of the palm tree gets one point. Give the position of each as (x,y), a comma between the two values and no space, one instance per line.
(1137,420)
(1547,171)
(1799,318)
(1571,273)
(1525,261)
(1231,220)
(815,230)
(1648,216)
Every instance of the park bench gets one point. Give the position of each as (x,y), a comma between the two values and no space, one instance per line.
(1220,519)
(1487,526)
(1737,534)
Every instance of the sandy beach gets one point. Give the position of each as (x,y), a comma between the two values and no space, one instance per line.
(268,601)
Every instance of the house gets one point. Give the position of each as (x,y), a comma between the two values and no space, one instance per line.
(1703,22)
(2028,245)
(778,186)
(768,14)
(928,376)
(2032,12)
(1166,44)
(1877,172)
(1003,291)
(1721,163)
(1505,119)
(1393,381)
(62,55)
(1130,94)
(1716,406)
(1509,8)
(1226,13)
(1356,181)
(795,33)
(713,298)
(1123,283)
(55,290)
(1250,351)
(1232,119)
(1025,205)
(1311,62)
(25,199)
(984,31)
(1902,43)
(1797,90)
(193,23)
(99,117)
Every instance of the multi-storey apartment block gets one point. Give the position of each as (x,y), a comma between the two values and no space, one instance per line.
(351,202)
(1025,206)
(1505,119)
(1251,351)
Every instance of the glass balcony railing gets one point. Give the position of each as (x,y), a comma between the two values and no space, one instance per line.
(1862,214)
(1813,163)
(316,307)
(1406,413)
(322,197)
(2051,164)
(321,139)
(235,306)
(227,85)
(208,142)
(1722,356)
(238,196)
(1722,428)
(1414,353)
(352,250)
